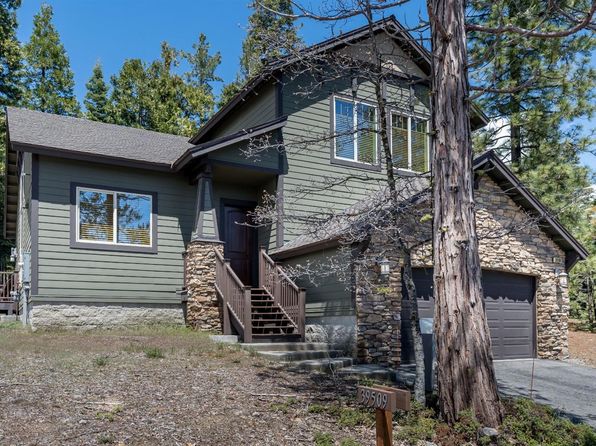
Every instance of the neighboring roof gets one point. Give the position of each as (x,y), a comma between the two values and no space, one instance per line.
(420,55)
(228,140)
(39,132)
(501,174)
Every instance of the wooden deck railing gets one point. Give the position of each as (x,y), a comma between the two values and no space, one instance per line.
(236,298)
(290,298)
(9,286)
(9,282)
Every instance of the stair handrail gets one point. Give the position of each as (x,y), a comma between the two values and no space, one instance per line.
(286,294)
(235,296)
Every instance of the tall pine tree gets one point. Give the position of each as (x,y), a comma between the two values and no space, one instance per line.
(269,36)
(49,79)
(551,84)
(200,78)
(10,54)
(96,99)
(10,88)
(158,97)
(130,95)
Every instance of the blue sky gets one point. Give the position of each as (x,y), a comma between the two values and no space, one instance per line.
(114,30)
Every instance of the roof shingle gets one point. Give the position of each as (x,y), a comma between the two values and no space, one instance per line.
(84,137)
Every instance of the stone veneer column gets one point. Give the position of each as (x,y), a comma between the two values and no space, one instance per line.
(378,312)
(203,310)
(203,307)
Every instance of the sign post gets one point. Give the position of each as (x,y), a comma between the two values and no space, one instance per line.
(385,400)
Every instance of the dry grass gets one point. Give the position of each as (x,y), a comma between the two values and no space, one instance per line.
(156,386)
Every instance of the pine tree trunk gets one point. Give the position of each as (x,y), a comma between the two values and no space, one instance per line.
(416,336)
(466,377)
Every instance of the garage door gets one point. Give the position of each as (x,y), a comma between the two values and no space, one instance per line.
(509,304)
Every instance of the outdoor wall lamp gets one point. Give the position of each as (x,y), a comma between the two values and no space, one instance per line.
(563,277)
(384,265)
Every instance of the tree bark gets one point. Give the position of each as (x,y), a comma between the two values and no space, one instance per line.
(466,377)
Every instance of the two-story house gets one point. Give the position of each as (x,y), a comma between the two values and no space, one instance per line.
(122,226)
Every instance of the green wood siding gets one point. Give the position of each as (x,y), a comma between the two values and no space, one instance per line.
(329,296)
(105,276)
(309,118)
(258,108)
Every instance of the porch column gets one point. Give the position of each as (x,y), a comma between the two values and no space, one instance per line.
(203,310)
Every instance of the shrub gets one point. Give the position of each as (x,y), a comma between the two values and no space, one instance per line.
(102,360)
(418,424)
(530,424)
(153,352)
(324,439)
(354,417)
(349,442)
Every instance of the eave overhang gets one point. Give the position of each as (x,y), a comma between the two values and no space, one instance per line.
(228,140)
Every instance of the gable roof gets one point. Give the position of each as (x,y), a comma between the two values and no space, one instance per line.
(402,37)
(78,138)
(488,162)
(228,140)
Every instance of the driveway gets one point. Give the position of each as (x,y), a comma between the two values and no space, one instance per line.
(571,388)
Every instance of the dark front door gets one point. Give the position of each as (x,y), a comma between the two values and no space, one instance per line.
(240,242)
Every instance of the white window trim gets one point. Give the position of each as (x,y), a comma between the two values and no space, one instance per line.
(393,113)
(114,218)
(355,134)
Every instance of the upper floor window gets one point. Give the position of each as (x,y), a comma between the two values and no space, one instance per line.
(409,143)
(355,125)
(115,218)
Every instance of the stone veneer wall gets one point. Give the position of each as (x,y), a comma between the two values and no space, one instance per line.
(378,309)
(202,307)
(91,316)
(524,250)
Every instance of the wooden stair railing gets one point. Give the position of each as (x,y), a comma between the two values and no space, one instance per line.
(236,298)
(286,294)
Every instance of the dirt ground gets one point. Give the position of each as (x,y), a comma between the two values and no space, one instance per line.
(88,388)
(582,347)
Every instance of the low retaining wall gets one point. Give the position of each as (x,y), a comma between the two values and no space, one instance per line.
(82,316)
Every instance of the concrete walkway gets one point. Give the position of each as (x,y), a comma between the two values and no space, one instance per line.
(568,387)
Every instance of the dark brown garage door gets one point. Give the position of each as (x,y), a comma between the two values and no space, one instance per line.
(509,304)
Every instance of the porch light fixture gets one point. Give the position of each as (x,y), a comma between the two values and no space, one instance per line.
(384,265)
(563,278)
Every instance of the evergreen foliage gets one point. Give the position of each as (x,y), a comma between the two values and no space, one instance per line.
(269,36)
(96,99)
(544,139)
(158,97)
(48,77)
(10,88)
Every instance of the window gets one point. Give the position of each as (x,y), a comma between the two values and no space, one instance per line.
(409,143)
(355,125)
(116,218)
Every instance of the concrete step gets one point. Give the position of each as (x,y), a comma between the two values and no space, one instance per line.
(296,356)
(286,346)
(371,371)
(224,339)
(322,365)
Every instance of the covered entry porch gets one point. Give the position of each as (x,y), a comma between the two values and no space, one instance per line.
(231,283)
